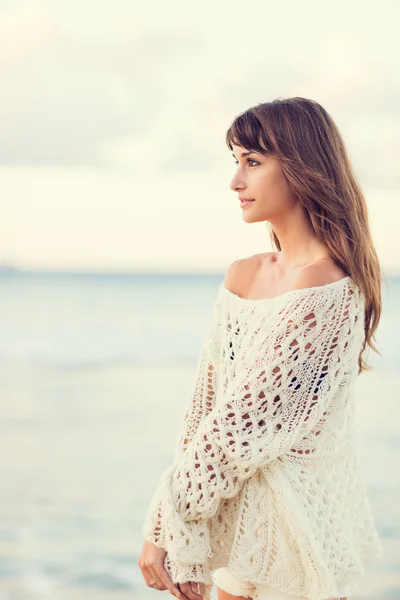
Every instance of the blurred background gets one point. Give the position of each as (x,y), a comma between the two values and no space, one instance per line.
(117,225)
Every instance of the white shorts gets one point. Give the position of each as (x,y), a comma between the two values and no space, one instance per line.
(256,591)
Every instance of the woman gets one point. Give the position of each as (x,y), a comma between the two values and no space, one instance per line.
(265,497)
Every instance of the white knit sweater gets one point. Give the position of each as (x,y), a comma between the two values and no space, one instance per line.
(266,479)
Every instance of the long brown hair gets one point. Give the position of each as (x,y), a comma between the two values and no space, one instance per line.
(315,162)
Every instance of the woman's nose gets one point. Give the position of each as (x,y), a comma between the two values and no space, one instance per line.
(235,184)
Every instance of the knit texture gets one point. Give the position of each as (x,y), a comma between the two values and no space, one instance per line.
(266,479)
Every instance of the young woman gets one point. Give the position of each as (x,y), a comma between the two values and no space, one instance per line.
(265,497)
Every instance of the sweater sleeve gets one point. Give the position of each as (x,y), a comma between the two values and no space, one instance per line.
(277,403)
(199,404)
(202,398)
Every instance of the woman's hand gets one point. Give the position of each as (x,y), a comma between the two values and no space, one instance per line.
(151,563)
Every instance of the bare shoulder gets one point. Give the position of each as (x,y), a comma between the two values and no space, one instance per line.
(233,273)
(242,270)
(317,274)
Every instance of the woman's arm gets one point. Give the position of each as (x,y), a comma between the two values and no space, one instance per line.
(201,401)
(198,406)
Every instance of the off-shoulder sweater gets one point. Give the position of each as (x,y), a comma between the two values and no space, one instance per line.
(266,478)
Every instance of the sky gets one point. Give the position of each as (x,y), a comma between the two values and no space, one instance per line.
(113,120)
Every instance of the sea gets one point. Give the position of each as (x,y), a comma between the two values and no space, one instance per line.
(95,370)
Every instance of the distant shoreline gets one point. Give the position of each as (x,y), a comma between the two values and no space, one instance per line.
(6,270)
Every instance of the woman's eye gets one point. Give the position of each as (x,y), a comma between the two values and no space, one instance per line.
(236,162)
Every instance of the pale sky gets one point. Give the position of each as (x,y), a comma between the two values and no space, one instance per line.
(113,120)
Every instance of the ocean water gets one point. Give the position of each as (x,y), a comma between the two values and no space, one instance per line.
(94,373)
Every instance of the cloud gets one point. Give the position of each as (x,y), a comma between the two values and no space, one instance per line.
(65,98)
(154,90)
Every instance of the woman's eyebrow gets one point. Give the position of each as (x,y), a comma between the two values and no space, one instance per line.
(245,153)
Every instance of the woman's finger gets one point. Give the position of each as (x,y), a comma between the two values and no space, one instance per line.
(149,576)
(183,595)
(153,576)
(195,587)
(190,590)
(167,581)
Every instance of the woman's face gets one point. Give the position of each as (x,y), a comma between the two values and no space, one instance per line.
(259,177)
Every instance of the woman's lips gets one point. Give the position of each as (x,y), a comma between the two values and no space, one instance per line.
(245,202)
